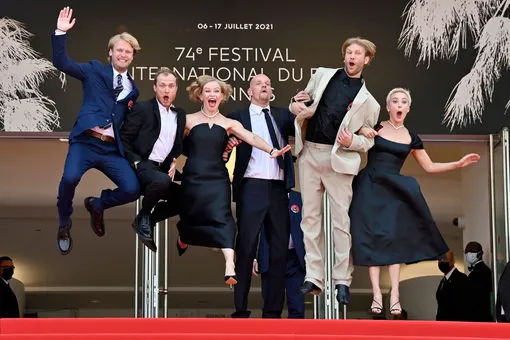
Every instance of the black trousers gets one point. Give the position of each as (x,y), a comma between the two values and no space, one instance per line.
(295,276)
(262,202)
(156,185)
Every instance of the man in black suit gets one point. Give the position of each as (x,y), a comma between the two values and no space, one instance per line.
(503,298)
(8,301)
(480,284)
(260,188)
(452,293)
(152,136)
(295,273)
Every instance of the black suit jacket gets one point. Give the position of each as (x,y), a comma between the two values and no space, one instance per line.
(141,130)
(452,298)
(8,302)
(284,120)
(480,287)
(503,298)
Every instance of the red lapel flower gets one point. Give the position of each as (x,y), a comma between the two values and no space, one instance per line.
(130,104)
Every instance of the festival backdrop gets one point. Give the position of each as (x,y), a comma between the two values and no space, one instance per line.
(453,55)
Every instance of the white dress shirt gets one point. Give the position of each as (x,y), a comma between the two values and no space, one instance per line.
(261,165)
(166,139)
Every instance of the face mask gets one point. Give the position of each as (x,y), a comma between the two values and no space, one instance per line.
(471,258)
(7,273)
(444,267)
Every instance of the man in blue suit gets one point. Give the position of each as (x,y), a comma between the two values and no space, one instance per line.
(295,273)
(108,94)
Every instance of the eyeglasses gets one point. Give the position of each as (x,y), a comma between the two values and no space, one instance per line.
(7,267)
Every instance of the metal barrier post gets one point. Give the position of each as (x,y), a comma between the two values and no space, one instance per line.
(137,259)
(164,290)
(326,306)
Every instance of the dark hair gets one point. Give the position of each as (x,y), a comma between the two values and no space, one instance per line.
(5,258)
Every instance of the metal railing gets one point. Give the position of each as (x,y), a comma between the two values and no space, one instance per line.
(149,272)
(326,306)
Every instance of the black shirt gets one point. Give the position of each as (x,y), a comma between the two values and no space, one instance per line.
(338,95)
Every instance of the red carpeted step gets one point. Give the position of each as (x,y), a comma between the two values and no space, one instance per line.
(139,336)
(255,328)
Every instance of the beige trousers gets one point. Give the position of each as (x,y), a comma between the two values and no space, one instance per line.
(315,176)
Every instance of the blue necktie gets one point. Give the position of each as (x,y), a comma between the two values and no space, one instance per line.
(116,91)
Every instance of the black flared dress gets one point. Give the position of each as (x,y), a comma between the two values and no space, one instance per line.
(391,222)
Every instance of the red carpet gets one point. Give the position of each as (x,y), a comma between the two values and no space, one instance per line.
(240,329)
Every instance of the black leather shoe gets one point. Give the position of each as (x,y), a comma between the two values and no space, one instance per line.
(96,219)
(342,294)
(308,287)
(64,239)
(141,225)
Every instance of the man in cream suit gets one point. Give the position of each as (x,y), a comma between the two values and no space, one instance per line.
(333,107)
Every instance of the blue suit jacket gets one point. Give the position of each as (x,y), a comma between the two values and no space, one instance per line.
(295,206)
(99,106)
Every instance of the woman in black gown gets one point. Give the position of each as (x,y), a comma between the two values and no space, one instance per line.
(390,220)
(205,214)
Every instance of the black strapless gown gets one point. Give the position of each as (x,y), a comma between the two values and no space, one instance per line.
(391,222)
(205,212)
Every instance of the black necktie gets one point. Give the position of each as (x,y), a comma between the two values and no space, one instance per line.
(118,89)
(272,133)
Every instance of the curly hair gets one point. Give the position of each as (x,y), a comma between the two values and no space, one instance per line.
(195,88)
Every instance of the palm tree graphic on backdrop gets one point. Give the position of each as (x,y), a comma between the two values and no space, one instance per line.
(23,107)
(440,28)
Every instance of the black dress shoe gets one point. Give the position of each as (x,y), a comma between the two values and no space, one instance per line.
(342,294)
(308,287)
(141,225)
(64,239)
(96,219)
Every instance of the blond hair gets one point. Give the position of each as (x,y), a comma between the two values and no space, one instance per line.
(166,72)
(399,90)
(127,38)
(369,46)
(195,88)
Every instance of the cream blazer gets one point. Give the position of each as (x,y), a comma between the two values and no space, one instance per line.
(364,112)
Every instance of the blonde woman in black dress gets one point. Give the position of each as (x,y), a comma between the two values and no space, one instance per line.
(390,221)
